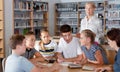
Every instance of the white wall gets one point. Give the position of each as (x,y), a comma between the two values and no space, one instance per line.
(8,24)
(51,15)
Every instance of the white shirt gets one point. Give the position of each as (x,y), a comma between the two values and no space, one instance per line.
(94,24)
(69,50)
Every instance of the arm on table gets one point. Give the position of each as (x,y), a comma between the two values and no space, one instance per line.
(54,67)
(60,57)
(99,58)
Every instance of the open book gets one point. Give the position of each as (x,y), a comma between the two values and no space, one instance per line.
(75,66)
(88,67)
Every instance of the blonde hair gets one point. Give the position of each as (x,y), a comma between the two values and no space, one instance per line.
(43,30)
(91,3)
(90,34)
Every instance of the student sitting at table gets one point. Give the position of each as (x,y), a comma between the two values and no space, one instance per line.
(31,53)
(113,37)
(46,46)
(91,52)
(17,63)
(69,47)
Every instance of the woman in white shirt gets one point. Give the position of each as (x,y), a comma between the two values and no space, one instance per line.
(91,21)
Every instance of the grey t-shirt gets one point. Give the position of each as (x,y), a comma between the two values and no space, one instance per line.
(29,53)
(15,63)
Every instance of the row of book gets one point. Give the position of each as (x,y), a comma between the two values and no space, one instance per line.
(27,5)
(68,14)
(26,24)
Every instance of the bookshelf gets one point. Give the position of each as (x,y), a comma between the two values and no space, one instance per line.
(2,50)
(40,16)
(66,13)
(112,15)
(29,15)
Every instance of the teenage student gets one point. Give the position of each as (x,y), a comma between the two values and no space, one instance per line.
(46,46)
(113,37)
(31,53)
(91,21)
(69,47)
(17,63)
(92,53)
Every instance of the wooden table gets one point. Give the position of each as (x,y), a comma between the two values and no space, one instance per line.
(64,68)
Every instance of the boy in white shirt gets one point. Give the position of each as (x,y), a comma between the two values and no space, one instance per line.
(69,47)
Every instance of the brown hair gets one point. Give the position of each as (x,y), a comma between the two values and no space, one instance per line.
(29,33)
(114,35)
(16,40)
(91,3)
(65,28)
(90,34)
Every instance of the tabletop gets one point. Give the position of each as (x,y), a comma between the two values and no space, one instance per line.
(65,68)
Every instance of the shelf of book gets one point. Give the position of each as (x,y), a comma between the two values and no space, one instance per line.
(29,14)
(112,15)
(66,13)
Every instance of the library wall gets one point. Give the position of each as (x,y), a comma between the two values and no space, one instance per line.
(9,21)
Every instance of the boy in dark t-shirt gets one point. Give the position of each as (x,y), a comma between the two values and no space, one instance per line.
(31,53)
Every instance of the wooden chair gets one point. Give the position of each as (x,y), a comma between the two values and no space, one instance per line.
(3,64)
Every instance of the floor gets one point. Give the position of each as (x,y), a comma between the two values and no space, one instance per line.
(1,65)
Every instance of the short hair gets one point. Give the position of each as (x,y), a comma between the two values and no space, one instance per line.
(65,28)
(29,34)
(91,3)
(43,30)
(90,34)
(16,40)
(114,35)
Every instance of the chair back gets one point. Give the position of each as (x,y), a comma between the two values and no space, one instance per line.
(3,64)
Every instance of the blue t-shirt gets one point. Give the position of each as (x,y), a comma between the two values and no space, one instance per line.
(15,63)
(116,65)
(90,54)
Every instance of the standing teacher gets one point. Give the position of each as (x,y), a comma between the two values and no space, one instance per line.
(91,21)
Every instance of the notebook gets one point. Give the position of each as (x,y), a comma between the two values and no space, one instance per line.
(74,66)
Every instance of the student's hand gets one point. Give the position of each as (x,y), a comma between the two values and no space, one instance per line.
(100,69)
(40,65)
(60,59)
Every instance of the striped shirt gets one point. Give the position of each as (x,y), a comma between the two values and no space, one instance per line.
(50,48)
